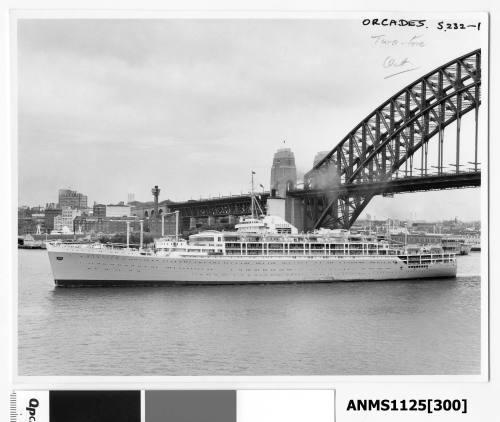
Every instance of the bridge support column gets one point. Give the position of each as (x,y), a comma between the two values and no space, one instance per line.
(192,222)
(294,212)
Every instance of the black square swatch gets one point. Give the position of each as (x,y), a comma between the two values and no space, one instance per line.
(95,406)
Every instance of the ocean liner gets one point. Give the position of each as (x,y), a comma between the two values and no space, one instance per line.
(261,249)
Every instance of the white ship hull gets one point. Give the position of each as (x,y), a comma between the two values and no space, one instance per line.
(80,267)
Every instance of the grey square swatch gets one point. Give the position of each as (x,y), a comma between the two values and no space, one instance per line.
(191,406)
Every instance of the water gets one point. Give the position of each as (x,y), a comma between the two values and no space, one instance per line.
(355,328)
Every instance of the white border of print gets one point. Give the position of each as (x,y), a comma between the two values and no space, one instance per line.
(61,381)
(482,394)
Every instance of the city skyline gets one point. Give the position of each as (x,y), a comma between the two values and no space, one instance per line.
(195,106)
(383,213)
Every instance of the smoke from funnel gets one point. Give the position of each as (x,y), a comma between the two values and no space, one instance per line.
(326,179)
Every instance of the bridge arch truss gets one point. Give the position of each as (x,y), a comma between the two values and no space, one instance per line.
(392,143)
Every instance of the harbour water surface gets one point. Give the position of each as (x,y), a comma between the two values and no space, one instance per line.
(347,328)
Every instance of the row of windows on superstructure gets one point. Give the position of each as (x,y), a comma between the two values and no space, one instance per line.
(281,245)
(305,248)
(248,237)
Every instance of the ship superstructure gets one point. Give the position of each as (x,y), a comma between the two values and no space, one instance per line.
(261,249)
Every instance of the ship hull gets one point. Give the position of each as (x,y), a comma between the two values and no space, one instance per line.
(97,268)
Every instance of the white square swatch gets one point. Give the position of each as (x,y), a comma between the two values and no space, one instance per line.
(285,406)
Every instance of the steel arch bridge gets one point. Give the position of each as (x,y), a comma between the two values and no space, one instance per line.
(381,154)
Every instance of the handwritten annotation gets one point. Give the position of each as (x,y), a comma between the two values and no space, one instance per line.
(421,23)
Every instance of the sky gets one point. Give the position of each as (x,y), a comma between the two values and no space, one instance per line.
(108,107)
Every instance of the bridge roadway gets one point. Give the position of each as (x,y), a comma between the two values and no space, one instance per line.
(234,205)
(239,205)
(399,185)
(222,206)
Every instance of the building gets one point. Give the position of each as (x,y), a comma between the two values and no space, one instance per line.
(64,222)
(72,199)
(105,225)
(130,197)
(119,210)
(23,211)
(145,210)
(24,222)
(283,172)
(30,220)
(418,239)
(25,226)
(426,227)
(51,211)
(99,210)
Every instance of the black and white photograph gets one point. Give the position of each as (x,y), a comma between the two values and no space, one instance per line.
(251,195)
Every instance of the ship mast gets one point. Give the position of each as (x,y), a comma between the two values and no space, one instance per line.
(254,204)
(252,198)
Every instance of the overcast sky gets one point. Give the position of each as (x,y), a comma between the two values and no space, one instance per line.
(108,107)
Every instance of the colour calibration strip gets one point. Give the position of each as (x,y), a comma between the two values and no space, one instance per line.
(173,406)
